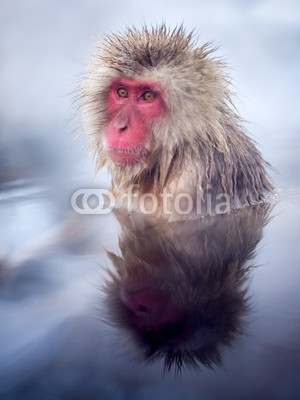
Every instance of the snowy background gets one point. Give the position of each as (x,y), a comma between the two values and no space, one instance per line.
(43,44)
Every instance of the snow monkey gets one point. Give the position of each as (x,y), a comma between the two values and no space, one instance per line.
(160,112)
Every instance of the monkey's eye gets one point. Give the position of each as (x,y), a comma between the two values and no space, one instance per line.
(121,92)
(148,96)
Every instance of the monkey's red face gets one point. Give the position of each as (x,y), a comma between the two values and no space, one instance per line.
(132,108)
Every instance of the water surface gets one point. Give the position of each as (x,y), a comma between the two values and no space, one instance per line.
(65,335)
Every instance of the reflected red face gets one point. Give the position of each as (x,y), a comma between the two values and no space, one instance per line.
(132,108)
(153,311)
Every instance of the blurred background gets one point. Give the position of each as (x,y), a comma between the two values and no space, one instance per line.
(44,45)
(51,260)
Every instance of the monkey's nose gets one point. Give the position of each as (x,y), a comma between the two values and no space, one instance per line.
(121,126)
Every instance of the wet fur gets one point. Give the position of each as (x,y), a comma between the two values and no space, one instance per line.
(200,140)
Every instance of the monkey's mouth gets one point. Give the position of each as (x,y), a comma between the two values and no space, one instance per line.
(126,156)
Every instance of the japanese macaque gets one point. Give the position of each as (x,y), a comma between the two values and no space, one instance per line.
(159,111)
(180,289)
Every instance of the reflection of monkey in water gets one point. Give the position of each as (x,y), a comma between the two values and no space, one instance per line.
(180,288)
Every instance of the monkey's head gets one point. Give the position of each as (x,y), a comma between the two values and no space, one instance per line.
(151,99)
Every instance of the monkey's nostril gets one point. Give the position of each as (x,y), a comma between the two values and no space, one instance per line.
(123,128)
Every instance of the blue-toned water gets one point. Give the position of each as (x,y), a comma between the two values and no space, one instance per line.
(67,335)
